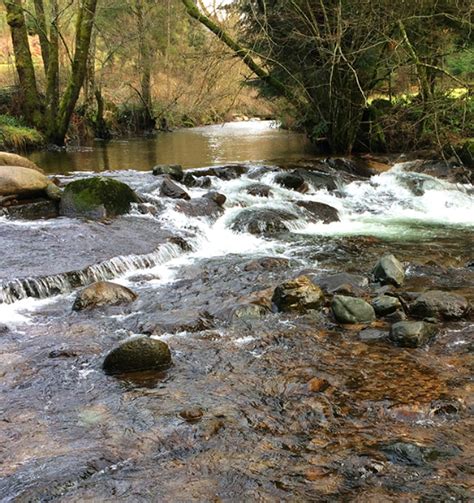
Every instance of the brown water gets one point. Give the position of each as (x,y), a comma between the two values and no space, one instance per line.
(192,148)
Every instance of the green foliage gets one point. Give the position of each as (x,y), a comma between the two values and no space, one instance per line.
(14,135)
(462,64)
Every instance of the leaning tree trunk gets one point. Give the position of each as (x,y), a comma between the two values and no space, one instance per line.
(52,74)
(42,33)
(85,20)
(24,62)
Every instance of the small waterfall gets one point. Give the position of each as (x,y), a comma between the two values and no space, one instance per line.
(48,286)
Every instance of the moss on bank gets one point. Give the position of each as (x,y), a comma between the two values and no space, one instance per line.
(16,136)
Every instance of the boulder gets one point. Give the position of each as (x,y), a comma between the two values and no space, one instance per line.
(411,334)
(262,220)
(318,179)
(352,310)
(175,171)
(218,198)
(258,190)
(96,198)
(320,212)
(440,305)
(170,189)
(138,354)
(21,182)
(229,172)
(389,270)
(299,294)
(103,293)
(9,159)
(385,304)
(292,181)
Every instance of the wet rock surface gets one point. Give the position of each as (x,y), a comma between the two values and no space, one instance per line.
(412,334)
(103,293)
(138,354)
(262,221)
(170,189)
(299,294)
(389,270)
(440,305)
(352,310)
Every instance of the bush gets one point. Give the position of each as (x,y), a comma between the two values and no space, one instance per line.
(16,136)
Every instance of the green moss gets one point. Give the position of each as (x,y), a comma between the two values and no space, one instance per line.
(84,196)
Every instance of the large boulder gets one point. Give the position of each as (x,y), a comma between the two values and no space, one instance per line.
(258,190)
(440,305)
(138,354)
(352,310)
(103,293)
(389,270)
(96,198)
(199,207)
(411,334)
(9,159)
(319,212)
(262,220)
(21,182)
(175,171)
(170,189)
(299,294)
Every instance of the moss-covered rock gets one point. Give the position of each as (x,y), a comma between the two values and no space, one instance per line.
(96,198)
(138,354)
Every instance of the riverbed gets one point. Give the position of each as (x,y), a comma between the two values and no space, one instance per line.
(389,424)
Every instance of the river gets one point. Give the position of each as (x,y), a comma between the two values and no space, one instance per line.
(391,424)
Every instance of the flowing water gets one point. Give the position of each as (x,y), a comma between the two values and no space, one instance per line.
(392,424)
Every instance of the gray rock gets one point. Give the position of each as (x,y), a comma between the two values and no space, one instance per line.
(24,182)
(344,283)
(440,305)
(385,304)
(259,190)
(262,220)
(372,334)
(103,293)
(299,294)
(412,334)
(352,310)
(320,212)
(40,209)
(175,171)
(53,192)
(248,312)
(170,189)
(389,270)
(218,198)
(199,207)
(138,354)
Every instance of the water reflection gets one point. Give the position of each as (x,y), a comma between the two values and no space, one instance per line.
(196,147)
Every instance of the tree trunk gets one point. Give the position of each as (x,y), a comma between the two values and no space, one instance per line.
(89,83)
(52,75)
(42,33)
(24,63)
(84,25)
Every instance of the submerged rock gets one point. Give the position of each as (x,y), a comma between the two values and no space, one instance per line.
(320,212)
(389,270)
(411,334)
(262,220)
(248,312)
(138,354)
(266,264)
(34,210)
(96,198)
(385,304)
(440,305)
(22,182)
(258,190)
(103,293)
(352,310)
(299,294)
(175,171)
(170,189)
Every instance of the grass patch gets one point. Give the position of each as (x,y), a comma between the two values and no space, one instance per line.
(16,136)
